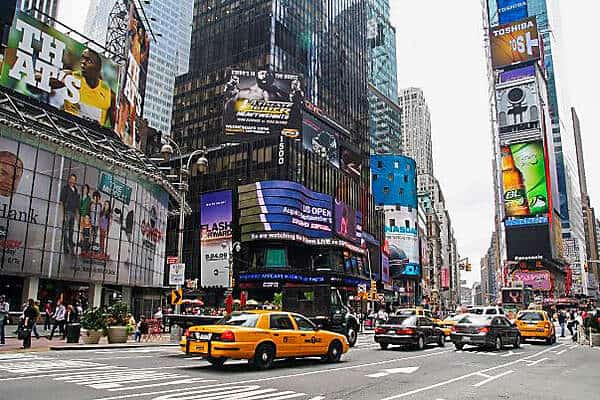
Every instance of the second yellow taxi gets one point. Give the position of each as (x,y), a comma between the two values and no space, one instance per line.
(260,337)
(536,324)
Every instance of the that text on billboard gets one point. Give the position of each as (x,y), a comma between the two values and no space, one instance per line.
(216,215)
(515,43)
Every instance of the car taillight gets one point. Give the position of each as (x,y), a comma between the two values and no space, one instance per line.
(227,336)
(406,331)
(186,333)
(485,329)
(547,325)
(453,329)
(379,330)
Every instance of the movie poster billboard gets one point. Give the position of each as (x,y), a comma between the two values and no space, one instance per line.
(52,68)
(524,180)
(401,232)
(511,11)
(350,161)
(64,218)
(515,43)
(216,216)
(133,79)
(320,139)
(348,222)
(518,108)
(263,102)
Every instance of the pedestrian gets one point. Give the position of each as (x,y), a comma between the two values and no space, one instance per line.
(48,315)
(141,329)
(36,307)
(382,315)
(71,317)
(27,323)
(571,321)
(59,320)
(561,321)
(4,309)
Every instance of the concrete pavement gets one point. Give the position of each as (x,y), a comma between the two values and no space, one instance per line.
(536,371)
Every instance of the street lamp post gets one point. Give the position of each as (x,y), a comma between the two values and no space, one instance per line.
(184,172)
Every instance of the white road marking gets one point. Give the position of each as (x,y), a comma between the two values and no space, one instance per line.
(170,383)
(377,375)
(532,363)
(483,375)
(45,364)
(562,351)
(511,353)
(119,379)
(574,346)
(317,398)
(278,377)
(404,370)
(462,377)
(250,392)
(492,378)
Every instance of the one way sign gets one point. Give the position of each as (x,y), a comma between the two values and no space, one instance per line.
(177,296)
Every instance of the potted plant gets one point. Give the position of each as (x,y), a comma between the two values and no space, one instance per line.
(592,322)
(93,323)
(116,320)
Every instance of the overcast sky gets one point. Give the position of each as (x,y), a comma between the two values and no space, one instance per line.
(440,49)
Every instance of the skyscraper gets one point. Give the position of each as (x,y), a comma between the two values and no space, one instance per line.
(384,112)
(169,54)
(416,129)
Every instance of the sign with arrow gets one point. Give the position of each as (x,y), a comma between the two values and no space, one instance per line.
(176,296)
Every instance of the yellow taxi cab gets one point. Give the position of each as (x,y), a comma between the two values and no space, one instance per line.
(536,324)
(260,337)
(419,312)
(447,324)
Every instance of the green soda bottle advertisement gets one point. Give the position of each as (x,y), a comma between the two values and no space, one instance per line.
(529,159)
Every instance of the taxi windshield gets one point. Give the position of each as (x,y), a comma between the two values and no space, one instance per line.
(407,311)
(404,320)
(240,319)
(530,316)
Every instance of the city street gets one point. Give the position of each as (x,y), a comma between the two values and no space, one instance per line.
(536,371)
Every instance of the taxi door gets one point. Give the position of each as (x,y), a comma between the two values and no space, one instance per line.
(284,335)
(312,341)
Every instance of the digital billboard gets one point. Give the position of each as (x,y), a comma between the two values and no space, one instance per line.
(515,43)
(511,10)
(524,179)
(284,206)
(62,217)
(402,235)
(536,280)
(518,108)
(216,216)
(348,222)
(528,243)
(133,80)
(263,102)
(320,139)
(517,74)
(350,161)
(45,64)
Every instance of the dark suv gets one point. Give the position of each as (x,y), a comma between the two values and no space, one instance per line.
(409,330)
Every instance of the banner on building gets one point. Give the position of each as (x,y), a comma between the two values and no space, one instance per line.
(536,280)
(401,232)
(515,43)
(511,11)
(263,102)
(518,108)
(52,68)
(216,215)
(350,162)
(319,138)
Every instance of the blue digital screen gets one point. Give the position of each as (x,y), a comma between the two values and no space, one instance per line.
(511,11)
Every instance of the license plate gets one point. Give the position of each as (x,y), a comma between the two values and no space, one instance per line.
(199,348)
(466,339)
(204,336)
(540,329)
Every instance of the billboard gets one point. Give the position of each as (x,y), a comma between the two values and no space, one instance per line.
(62,217)
(284,206)
(350,161)
(45,64)
(524,179)
(322,140)
(518,108)
(263,102)
(348,222)
(133,80)
(216,216)
(536,280)
(402,235)
(528,243)
(517,74)
(515,43)
(511,11)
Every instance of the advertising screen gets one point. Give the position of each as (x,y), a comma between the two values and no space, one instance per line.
(350,161)
(64,218)
(385,268)
(348,222)
(518,108)
(528,243)
(517,74)
(515,43)
(319,138)
(283,206)
(52,68)
(263,102)
(524,179)
(133,80)
(511,10)
(402,235)
(216,215)
(536,280)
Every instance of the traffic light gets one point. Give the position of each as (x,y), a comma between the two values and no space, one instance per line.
(468,267)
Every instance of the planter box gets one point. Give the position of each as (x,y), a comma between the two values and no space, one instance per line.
(596,339)
(90,336)
(117,334)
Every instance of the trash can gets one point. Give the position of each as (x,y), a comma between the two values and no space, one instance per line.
(73,333)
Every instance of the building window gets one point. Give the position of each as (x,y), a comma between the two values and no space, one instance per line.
(407,223)
(386,190)
(392,222)
(391,177)
(379,164)
(401,192)
(405,178)
(396,164)
(375,177)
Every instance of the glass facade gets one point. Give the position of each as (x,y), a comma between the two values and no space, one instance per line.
(74,219)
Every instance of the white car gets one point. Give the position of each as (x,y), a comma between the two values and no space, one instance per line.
(487,310)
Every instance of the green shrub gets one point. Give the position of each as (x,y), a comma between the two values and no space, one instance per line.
(93,319)
(116,315)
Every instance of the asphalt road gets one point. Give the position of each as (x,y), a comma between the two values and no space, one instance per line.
(536,371)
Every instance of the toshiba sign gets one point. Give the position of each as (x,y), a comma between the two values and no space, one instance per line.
(515,43)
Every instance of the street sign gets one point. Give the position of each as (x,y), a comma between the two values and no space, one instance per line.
(172,260)
(176,296)
(176,274)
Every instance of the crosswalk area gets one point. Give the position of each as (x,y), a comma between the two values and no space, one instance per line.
(29,363)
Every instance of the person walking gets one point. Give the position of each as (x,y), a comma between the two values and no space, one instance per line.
(141,329)
(4,309)
(34,330)
(29,316)
(48,315)
(59,320)
(561,321)
(70,318)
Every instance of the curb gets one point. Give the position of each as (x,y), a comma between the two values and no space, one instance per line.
(111,346)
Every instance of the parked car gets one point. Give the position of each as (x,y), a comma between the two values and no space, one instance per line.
(485,331)
(536,324)
(409,330)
